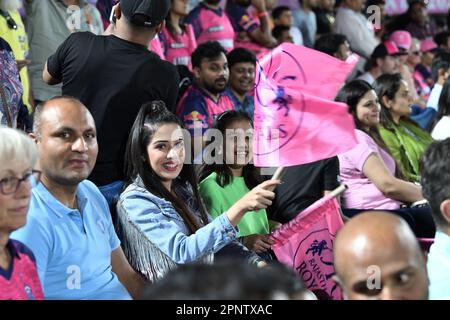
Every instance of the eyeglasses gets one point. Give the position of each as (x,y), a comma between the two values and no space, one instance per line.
(416,53)
(11,185)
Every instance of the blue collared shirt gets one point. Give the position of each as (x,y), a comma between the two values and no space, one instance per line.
(73,247)
(247,106)
(438,266)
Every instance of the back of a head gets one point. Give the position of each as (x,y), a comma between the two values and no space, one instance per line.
(330,43)
(435,178)
(226,280)
(278,11)
(145,13)
(208,50)
(441,60)
(277,31)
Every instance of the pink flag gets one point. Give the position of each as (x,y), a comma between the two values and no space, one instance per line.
(306,245)
(295,120)
(308,70)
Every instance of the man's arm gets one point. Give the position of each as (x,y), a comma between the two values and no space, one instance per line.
(48,78)
(132,281)
(262,34)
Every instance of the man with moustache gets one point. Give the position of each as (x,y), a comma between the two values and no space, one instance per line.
(206,99)
(377,257)
(69,228)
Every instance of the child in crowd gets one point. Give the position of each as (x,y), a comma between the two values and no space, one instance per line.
(232,176)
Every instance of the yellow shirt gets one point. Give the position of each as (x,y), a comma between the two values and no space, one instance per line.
(18,41)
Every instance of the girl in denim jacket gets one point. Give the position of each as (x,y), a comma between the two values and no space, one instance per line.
(161,220)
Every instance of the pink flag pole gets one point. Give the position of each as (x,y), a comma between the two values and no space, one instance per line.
(336,192)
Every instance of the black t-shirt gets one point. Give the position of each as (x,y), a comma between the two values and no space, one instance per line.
(303,185)
(113,78)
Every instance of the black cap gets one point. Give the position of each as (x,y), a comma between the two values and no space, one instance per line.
(145,13)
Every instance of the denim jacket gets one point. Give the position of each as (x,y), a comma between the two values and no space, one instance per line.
(156,240)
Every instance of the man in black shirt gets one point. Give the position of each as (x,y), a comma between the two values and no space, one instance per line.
(302,186)
(113,76)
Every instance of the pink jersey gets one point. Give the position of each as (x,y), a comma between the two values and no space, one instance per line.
(179,50)
(211,25)
(156,47)
(21,280)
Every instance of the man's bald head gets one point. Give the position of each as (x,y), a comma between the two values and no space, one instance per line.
(376,255)
(65,133)
(60,102)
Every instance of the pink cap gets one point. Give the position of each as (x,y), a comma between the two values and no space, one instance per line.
(402,39)
(427,45)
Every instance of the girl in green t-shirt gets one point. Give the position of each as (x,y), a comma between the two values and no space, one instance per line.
(231,176)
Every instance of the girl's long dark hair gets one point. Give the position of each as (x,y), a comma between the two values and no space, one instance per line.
(351,94)
(387,85)
(151,116)
(444,102)
(171,27)
(250,173)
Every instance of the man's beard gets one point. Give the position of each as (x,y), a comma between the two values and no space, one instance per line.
(10,5)
(214,89)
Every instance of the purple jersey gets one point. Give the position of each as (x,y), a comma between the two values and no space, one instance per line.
(211,25)
(21,280)
(244,24)
(197,109)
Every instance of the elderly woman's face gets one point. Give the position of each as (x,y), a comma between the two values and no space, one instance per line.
(14,205)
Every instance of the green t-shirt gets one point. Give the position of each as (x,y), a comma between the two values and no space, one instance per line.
(218,200)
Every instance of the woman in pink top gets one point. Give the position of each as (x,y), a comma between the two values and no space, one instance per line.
(374,180)
(19,279)
(178,39)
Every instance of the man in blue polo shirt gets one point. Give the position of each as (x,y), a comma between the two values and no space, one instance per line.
(69,226)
